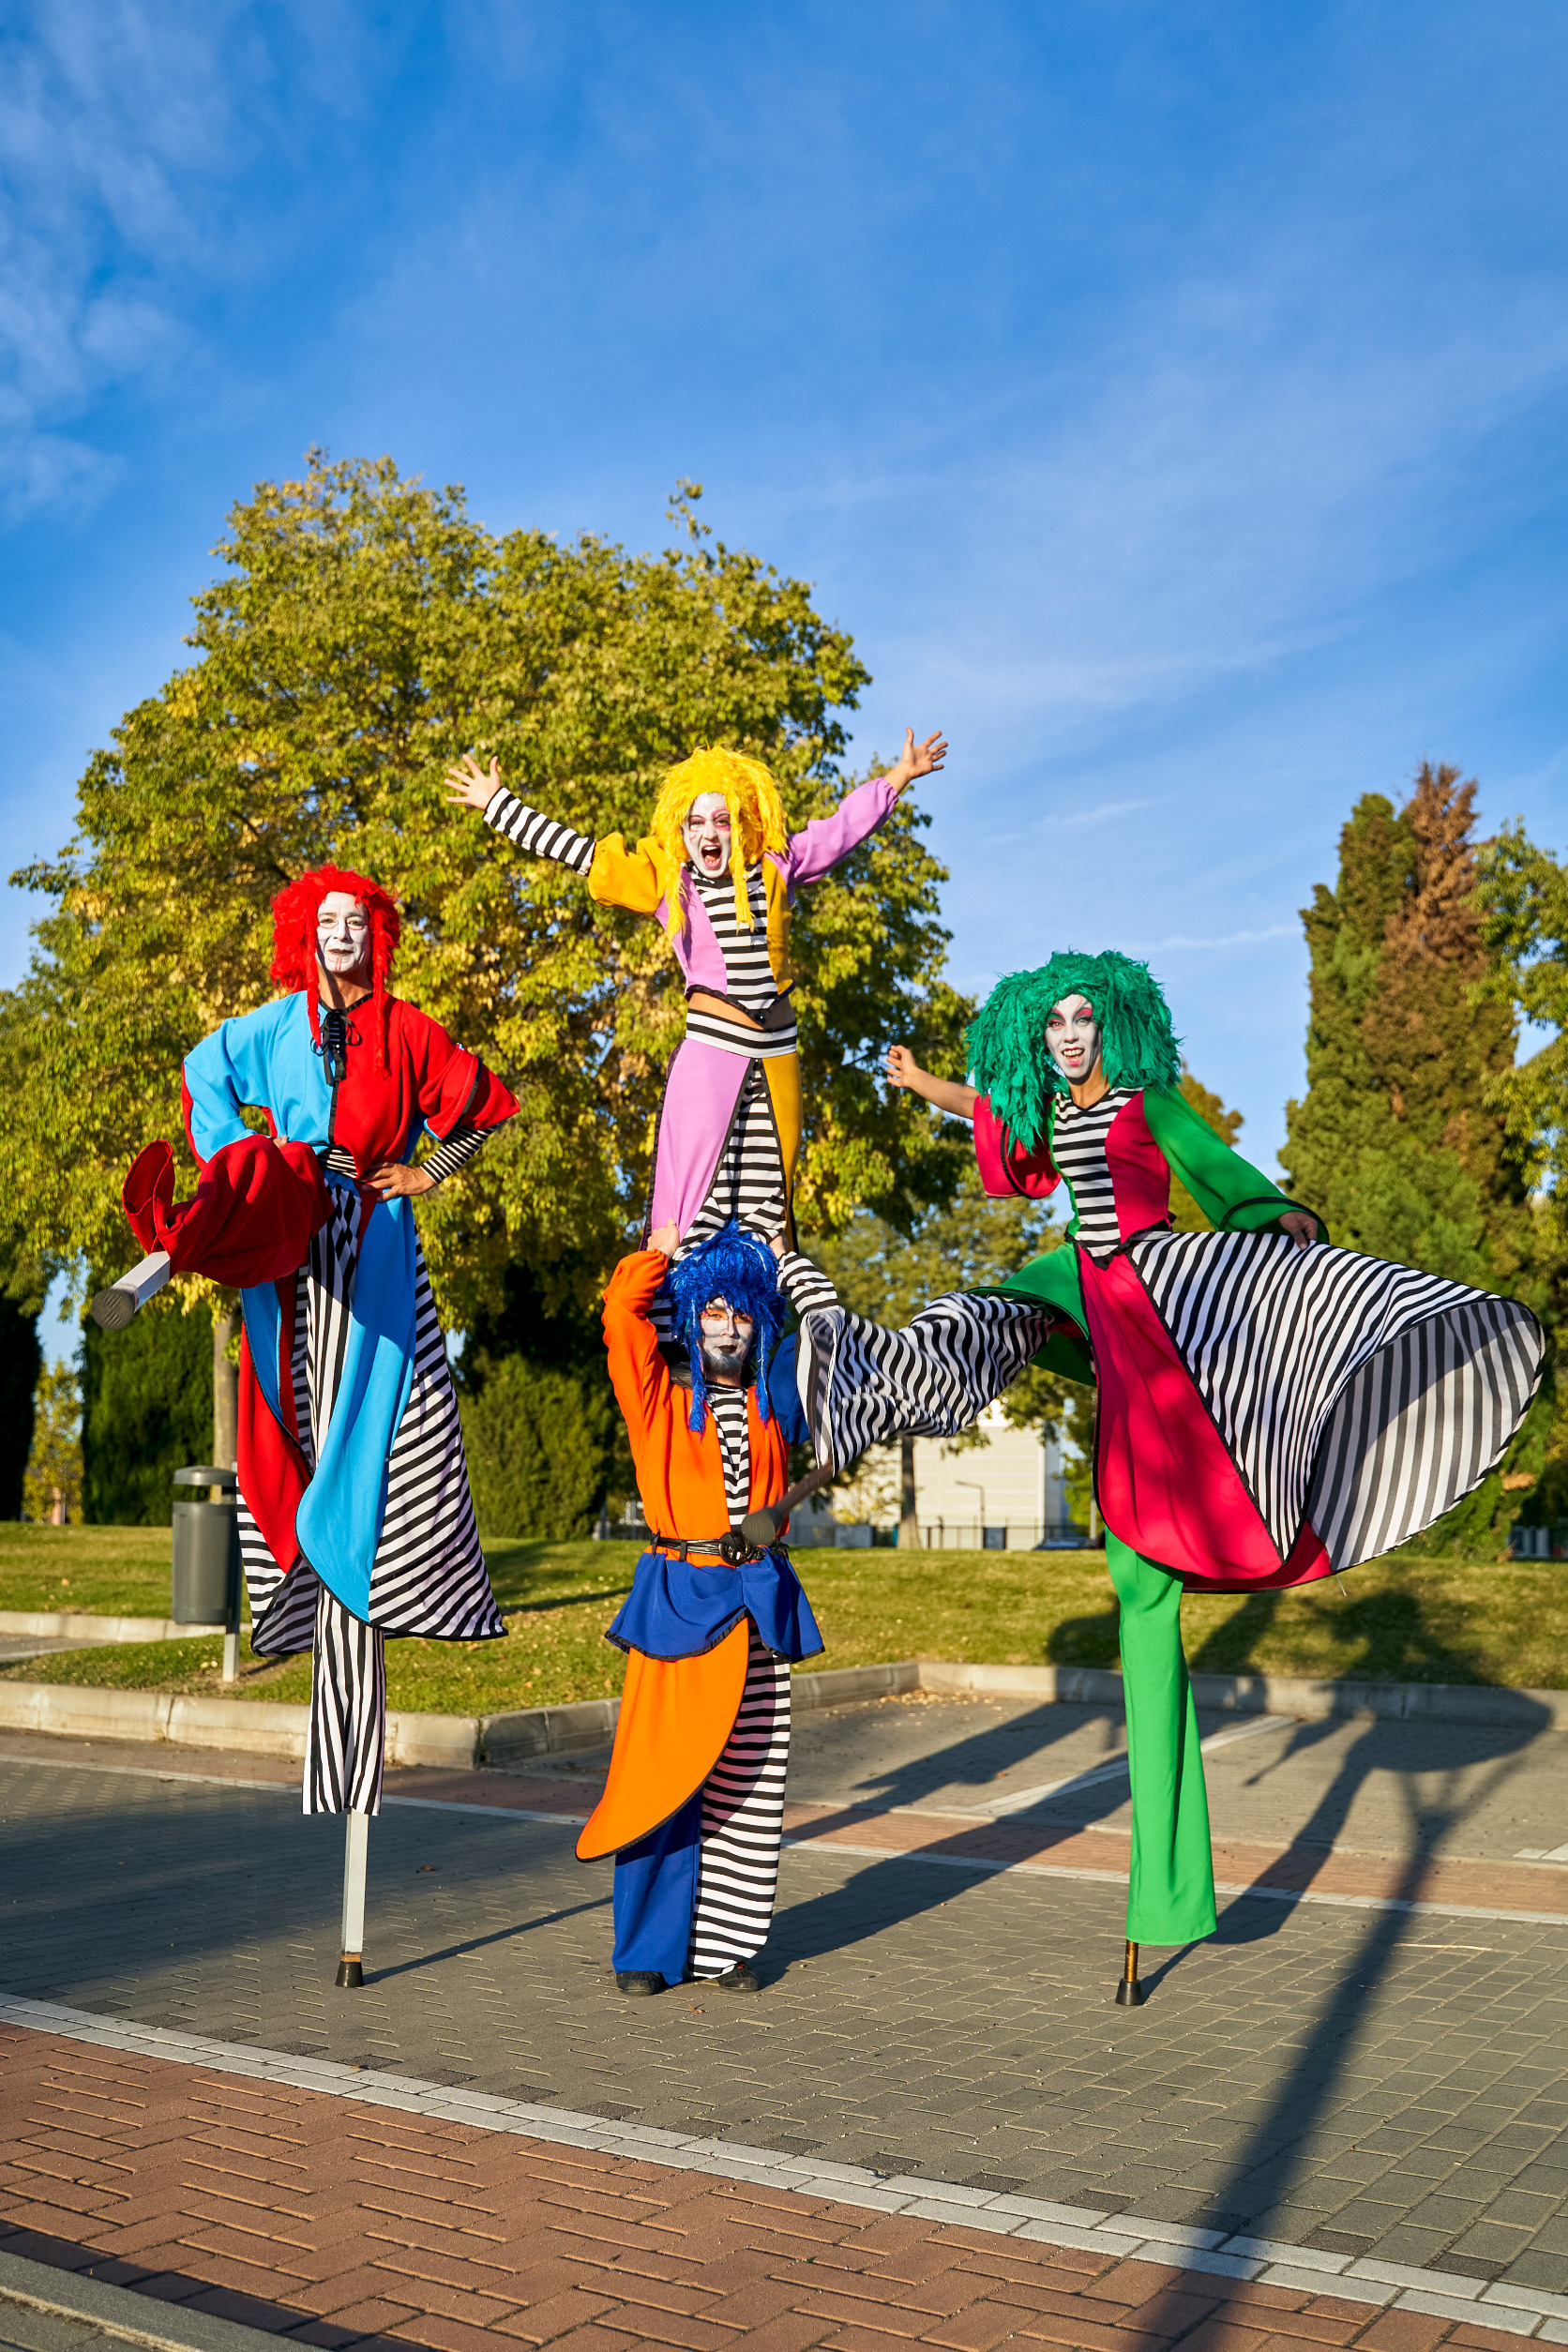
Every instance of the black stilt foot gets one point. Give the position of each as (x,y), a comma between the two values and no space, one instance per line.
(350,1975)
(1129,1993)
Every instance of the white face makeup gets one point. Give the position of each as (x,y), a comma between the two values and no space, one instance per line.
(1073,1038)
(343,936)
(726,1340)
(707,833)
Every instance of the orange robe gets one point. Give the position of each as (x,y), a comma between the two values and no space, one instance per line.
(676,1714)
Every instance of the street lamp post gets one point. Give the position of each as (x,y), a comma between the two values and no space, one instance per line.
(981,1492)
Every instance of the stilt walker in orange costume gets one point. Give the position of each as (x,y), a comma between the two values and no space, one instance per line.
(693,1809)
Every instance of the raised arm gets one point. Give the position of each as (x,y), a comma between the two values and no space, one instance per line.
(818,847)
(470,785)
(949,1094)
(637,1372)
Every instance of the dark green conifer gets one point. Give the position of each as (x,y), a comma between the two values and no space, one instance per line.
(1395,1143)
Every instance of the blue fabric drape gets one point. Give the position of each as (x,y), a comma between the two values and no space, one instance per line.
(676,1609)
(655,1895)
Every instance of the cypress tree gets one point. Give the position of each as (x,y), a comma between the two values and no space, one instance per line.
(1394,1142)
(146,1398)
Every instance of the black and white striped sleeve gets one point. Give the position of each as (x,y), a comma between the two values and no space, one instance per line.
(458,1148)
(804,1284)
(540,835)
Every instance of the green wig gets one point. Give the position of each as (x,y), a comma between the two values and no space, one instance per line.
(1006,1039)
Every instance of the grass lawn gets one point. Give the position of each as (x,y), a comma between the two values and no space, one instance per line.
(1397,1620)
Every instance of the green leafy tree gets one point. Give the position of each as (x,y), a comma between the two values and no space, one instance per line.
(146,1411)
(1399,1140)
(53,1479)
(1404,1139)
(539,1449)
(21,1293)
(1524,892)
(365,632)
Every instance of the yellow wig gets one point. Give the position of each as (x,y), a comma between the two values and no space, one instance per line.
(756,817)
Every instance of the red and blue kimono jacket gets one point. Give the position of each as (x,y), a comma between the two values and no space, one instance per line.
(259,1202)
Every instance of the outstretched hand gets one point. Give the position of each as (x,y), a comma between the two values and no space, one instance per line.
(902,1067)
(468,786)
(918,759)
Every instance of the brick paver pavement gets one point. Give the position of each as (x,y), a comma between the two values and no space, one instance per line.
(288,2211)
(1356,2081)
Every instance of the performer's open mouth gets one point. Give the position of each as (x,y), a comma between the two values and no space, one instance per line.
(711,855)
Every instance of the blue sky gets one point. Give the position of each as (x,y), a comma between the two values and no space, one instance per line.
(1170,398)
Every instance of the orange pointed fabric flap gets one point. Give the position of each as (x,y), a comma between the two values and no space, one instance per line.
(676,1714)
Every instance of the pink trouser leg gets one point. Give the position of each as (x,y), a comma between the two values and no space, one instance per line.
(700,1098)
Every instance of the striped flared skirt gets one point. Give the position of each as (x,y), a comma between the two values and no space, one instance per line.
(429,1578)
(1266,1415)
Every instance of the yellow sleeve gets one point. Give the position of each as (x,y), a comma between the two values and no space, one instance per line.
(633,878)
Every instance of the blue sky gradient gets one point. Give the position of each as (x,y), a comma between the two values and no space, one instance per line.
(1170,398)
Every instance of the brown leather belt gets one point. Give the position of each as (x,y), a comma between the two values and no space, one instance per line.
(732,1548)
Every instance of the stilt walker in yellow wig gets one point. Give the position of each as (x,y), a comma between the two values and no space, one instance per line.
(720,870)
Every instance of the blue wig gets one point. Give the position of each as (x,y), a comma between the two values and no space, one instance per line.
(738,1268)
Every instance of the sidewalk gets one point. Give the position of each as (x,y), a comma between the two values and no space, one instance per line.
(1363,2078)
(288,2212)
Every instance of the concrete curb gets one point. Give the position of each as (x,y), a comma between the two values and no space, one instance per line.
(1268,1694)
(125,2317)
(461,1743)
(70,1625)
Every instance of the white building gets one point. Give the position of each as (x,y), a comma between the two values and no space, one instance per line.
(1006,1493)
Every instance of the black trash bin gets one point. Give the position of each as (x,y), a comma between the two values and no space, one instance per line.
(207,1550)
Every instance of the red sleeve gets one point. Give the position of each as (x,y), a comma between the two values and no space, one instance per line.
(452,1085)
(1004,1166)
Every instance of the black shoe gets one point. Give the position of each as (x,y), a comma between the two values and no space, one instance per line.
(639,1981)
(739,1979)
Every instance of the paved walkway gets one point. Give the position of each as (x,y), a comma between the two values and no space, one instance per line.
(1380,2088)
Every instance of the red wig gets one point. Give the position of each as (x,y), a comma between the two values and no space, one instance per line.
(295,963)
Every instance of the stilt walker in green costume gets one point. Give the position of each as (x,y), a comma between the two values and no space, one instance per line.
(1269,1408)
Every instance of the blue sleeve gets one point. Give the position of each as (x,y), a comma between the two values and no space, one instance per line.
(224,1071)
(783,1396)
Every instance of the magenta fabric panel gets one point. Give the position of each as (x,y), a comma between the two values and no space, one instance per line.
(699,951)
(1165,1484)
(1004,1166)
(1139,1171)
(818,846)
(700,1098)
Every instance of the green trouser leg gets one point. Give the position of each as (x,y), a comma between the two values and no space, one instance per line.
(1171,1899)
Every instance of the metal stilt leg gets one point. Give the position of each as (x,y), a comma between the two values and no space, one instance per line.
(1129,1993)
(356,1838)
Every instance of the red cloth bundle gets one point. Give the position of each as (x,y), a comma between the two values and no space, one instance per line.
(250,1219)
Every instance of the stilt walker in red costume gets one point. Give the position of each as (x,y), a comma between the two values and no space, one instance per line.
(356,1517)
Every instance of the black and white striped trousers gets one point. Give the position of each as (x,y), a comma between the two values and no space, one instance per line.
(742,1823)
(346,1751)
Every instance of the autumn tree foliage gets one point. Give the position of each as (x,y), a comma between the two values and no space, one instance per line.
(364,632)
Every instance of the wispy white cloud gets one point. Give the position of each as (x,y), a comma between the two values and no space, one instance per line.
(126,131)
(1225,939)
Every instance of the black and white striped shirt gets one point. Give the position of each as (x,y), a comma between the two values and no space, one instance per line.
(728,1406)
(541,836)
(1078,1148)
(748,980)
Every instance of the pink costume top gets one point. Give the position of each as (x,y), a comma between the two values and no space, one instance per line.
(708,1102)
